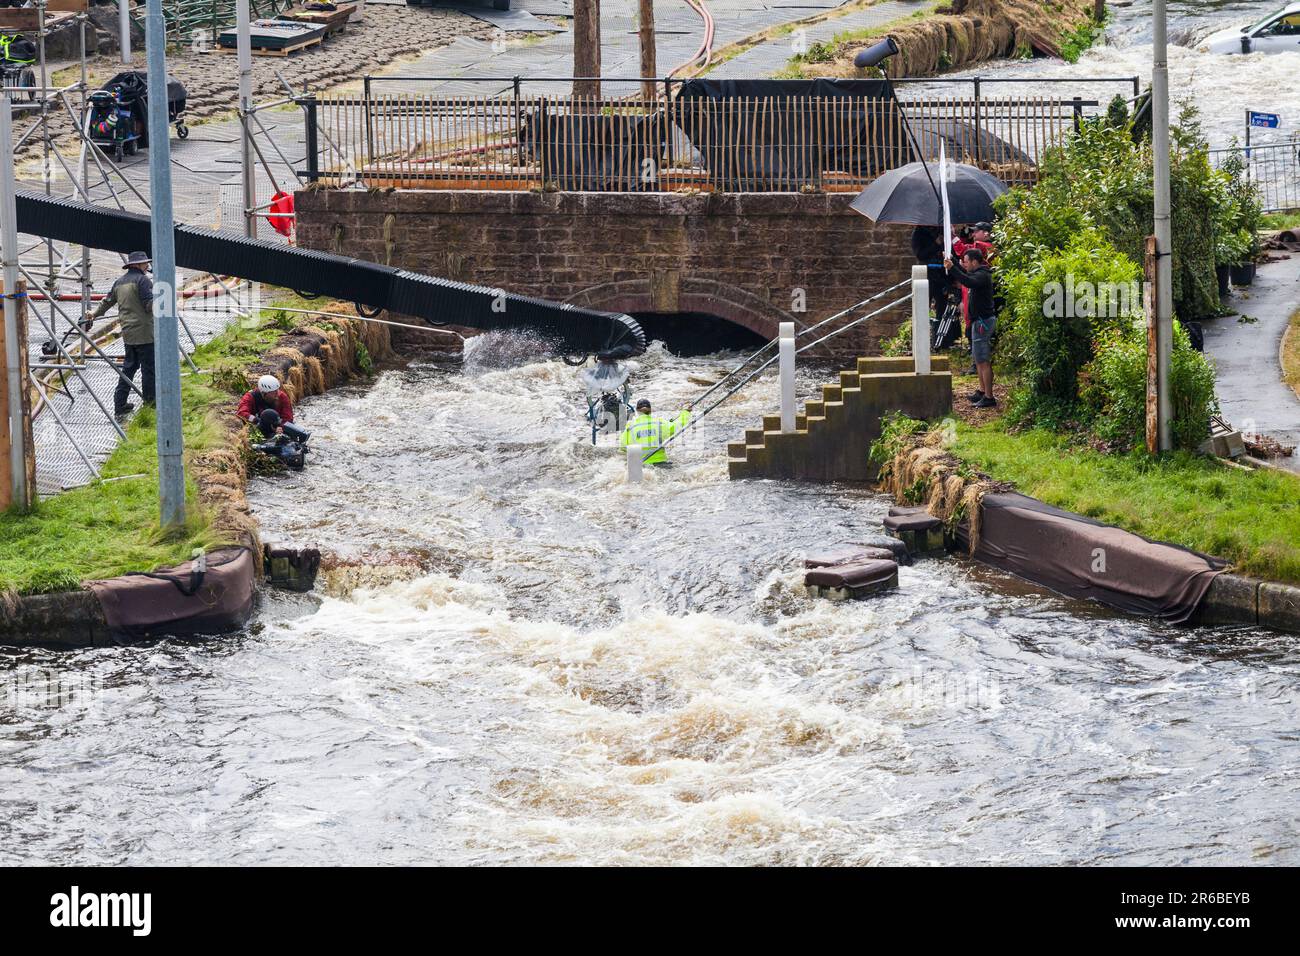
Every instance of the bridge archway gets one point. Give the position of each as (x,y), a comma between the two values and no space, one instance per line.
(724,316)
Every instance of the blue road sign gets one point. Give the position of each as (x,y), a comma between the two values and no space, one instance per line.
(1265,120)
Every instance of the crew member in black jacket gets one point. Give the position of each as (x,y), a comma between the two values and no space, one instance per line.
(973,272)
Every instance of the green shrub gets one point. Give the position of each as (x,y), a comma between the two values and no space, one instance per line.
(1115,391)
(364,362)
(900,343)
(1059,306)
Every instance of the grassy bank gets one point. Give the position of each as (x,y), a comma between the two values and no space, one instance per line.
(1291,353)
(1251,518)
(111,526)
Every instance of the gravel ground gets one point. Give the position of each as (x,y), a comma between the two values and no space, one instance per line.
(388,33)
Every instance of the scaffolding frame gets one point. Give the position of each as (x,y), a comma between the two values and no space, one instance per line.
(62,271)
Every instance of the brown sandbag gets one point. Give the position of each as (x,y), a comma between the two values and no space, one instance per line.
(923,521)
(1083,558)
(182,600)
(846,554)
(859,574)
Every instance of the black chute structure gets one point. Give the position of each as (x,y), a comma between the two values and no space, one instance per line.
(437,301)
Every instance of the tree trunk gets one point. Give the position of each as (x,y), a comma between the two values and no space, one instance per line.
(1099,10)
(586,47)
(647,28)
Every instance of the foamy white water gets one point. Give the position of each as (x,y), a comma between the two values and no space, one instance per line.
(569,670)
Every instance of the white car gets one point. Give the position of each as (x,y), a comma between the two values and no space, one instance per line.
(1278,32)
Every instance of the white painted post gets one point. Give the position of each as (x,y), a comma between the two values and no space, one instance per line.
(921,319)
(785,349)
(124,30)
(634,466)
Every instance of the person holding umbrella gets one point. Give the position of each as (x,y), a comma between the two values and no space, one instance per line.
(974,274)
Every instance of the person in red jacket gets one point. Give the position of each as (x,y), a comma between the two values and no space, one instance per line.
(266,406)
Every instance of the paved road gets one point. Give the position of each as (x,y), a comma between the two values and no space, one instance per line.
(1251,391)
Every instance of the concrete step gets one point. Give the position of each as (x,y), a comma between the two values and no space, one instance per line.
(903,363)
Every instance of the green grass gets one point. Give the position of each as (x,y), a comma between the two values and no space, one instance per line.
(1280,220)
(1251,518)
(1291,353)
(111,527)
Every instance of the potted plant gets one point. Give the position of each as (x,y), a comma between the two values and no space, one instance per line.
(1230,251)
(1225,256)
(1243,270)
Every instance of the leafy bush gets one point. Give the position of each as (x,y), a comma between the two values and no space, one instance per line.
(1115,389)
(900,343)
(1060,306)
(896,433)
(1101,176)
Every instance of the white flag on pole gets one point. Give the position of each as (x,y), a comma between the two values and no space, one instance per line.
(943,192)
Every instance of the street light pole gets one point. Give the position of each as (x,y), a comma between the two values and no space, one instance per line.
(171,467)
(1164,311)
(19,495)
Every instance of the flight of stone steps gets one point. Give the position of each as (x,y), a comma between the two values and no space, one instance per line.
(833,435)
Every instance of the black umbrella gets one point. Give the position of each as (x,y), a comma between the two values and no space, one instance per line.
(909,195)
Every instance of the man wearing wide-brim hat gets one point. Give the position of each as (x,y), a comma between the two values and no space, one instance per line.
(132,293)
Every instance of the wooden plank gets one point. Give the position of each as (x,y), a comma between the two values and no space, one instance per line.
(1153,395)
(285,51)
(24,19)
(76,6)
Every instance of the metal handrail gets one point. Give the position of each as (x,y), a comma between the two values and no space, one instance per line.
(754,374)
(812,328)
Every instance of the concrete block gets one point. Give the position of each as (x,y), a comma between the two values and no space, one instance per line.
(1279,606)
(1230,600)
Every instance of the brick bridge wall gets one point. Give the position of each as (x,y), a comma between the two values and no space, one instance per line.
(743,257)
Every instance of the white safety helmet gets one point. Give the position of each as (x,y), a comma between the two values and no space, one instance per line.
(268,384)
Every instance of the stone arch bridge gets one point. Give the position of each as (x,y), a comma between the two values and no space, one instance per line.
(750,259)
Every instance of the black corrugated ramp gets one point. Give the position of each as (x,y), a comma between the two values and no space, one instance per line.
(437,301)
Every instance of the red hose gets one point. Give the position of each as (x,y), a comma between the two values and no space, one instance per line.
(704,53)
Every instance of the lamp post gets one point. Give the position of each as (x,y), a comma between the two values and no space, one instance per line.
(1164,292)
(171,468)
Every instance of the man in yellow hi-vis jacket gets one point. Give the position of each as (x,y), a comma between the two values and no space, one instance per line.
(650,432)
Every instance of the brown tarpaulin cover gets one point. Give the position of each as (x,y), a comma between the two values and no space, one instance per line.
(1079,557)
(180,601)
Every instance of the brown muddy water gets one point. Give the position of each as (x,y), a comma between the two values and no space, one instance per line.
(586,672)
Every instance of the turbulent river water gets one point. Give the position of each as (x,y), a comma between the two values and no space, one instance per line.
(586,671)
(583,671)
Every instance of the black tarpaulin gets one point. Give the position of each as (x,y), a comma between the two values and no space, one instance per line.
(757,135)
(597,151)
(1083,558)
